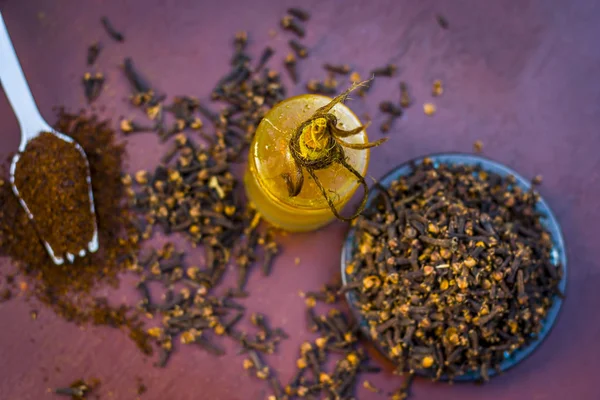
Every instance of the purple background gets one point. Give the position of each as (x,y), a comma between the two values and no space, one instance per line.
(520,75)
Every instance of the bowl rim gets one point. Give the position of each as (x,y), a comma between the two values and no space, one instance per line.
(548,220)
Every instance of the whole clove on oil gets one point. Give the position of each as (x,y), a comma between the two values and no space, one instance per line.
(275,180)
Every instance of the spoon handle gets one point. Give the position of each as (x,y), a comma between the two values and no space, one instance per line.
(17,90)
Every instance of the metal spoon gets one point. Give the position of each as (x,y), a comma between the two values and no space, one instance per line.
(32,124)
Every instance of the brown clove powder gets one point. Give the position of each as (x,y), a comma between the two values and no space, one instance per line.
(51,176)
(69,289)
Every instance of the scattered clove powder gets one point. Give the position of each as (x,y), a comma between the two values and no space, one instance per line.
(68,289)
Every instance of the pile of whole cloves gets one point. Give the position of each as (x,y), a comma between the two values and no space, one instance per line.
(247,94)
(452,271)
(196,197)
(192,192)
(331,365)
(190,314)
(337,339)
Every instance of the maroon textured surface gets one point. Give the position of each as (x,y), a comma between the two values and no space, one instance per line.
(520,75)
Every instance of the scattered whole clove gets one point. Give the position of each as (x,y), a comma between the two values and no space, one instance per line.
(442,21)
(437,88)
(138,84)
(92,85)
(390,108)
(388,71)
(405,100)
(386,126)
(264,58)
(429,109)
(93,52)
(112,32)
(299,13)
(290,66)
(240,41)
(300,50)
(291,24)
(394,112)
(315,86)
(341,69)
(128,126)
(78,390)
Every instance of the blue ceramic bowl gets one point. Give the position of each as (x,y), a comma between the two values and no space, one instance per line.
(548,221)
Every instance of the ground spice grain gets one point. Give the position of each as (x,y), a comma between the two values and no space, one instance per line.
(68,289)
(51,176)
